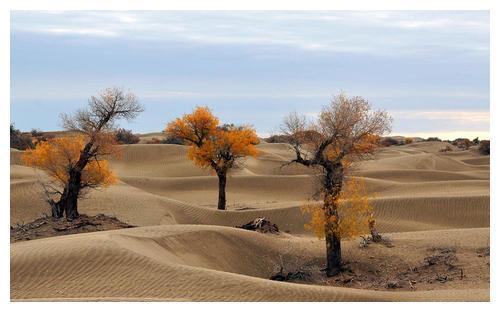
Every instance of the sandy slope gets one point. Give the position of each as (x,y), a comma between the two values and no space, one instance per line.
(201,263)
(417,189)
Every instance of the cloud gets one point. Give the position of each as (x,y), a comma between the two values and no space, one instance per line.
(387,33)
(464,117)
(78,31)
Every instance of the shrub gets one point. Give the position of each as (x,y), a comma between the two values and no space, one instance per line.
(19,140)
(446,149)
(433,139)
(36,133)
(408,140)
(462,143)
(278,138)
(124,136)
(39,136)
(389,142)
(153,141)
(172,140)
(476,141)
(484,147)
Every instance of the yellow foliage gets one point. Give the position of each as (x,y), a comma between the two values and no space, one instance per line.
(56,156)
(355,213)
(366,145)
(194,128)
(210,145)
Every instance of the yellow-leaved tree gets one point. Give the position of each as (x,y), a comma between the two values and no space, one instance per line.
(355,213)
(345,130)
(57,157)
(213,146)
(75,163)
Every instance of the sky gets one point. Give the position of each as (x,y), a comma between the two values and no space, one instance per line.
(428,69)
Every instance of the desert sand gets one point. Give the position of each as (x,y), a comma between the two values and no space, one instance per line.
(184,249)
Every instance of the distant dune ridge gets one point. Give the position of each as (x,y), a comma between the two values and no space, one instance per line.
(185,249)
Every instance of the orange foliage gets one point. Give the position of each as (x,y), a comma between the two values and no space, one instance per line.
(366,145)
(194,128)
(212,146)
(56,156)
(355,213)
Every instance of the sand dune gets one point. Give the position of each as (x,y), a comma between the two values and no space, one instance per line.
(195,263)
(185,249)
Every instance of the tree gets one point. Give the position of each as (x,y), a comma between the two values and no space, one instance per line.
(58,157)
(19,140)
(433,139)
(346,130)
(389,142)
(484,147)
(39,136)
(77,162)
(172,140)
(462,143)
(212,146)
(124,136)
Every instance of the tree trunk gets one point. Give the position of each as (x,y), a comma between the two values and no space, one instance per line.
(222,191)
(333,254)
(333,186)
(57,212)
(68,203)
(69,200)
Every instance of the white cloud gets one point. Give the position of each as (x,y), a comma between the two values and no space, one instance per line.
(465,117)
(391,32)
(78,31)
(127,19)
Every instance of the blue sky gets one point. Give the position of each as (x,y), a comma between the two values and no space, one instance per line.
(429,69)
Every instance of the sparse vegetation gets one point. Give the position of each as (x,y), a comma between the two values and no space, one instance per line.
(153,141)
(433,139)
(123,136)
(47,226)
(462,143)
(446,149)
(39,136)
(19,140)
(484,147)
(388,142)
(36,133)
(261,225)
(172,140)
(278,138)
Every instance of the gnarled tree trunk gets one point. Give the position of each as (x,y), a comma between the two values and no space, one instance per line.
(68,203)
(221,205)
(333,186)
(57,212)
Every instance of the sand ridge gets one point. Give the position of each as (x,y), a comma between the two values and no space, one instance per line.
(185,249)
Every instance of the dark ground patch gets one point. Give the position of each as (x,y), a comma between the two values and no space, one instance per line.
(436,268)
(47,227)
(261,225)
